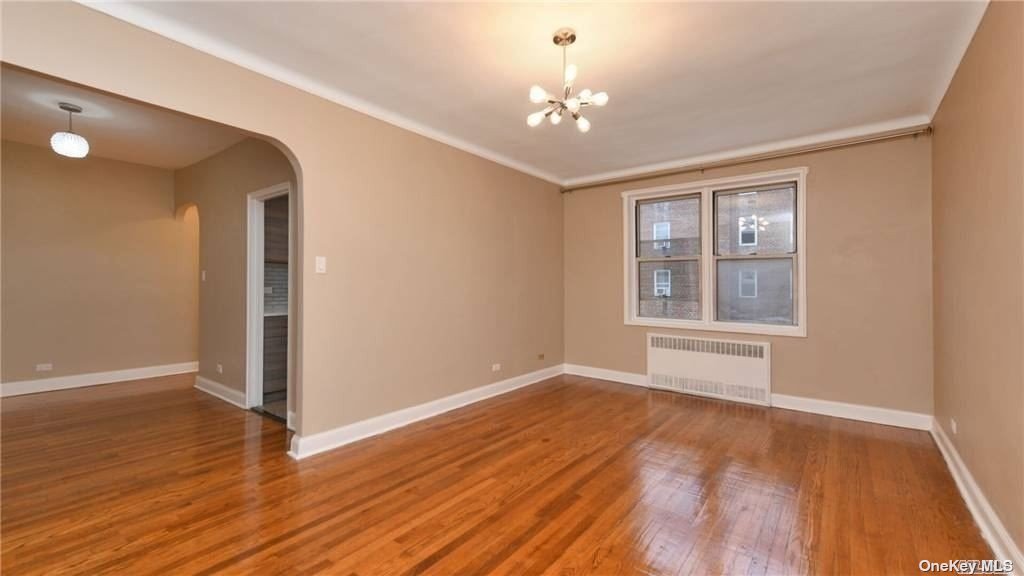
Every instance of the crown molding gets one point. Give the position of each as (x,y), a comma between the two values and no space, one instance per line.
(139,16)
(833,136)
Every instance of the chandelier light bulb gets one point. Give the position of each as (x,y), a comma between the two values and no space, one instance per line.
(538,94)
(573,104)
(556,118)
(534,120)
(600,99)
(570,74)
(585,94)
(582,124)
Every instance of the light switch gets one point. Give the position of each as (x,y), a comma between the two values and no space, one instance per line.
(321,264)
(202,276)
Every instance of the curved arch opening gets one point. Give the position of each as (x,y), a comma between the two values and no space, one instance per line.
(209,168)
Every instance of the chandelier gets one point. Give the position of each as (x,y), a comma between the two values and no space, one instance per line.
(565,103)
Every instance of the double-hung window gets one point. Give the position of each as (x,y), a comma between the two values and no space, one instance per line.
(724,254)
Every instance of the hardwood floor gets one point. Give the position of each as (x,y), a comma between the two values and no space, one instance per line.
(569,476)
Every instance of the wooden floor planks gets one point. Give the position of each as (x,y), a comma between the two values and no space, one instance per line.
(569,476)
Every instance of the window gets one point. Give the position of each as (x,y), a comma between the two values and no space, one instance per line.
(748,283)
(663,283)
(723,255)
(662,231)
(666,253)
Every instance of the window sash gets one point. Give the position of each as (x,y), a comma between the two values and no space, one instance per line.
(659,242)
(708,259)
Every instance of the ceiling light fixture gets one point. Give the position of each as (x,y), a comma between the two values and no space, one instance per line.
(567,103)
(68,143)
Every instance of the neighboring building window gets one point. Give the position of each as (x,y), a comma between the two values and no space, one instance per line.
(747,230)
(663,283)
(662,231)
(748,284)
(721,255)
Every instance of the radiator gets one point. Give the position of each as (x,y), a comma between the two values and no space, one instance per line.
(726,369)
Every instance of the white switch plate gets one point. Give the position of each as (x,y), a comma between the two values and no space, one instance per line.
(321,264)
(220,368)
(495,367)
(44,367)
(952,424)
(202,276)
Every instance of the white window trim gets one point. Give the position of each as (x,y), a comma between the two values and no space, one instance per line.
(740,289)
(706,189)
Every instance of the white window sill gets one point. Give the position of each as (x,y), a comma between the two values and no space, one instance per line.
(730,327)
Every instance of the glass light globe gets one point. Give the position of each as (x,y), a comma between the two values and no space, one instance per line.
(556,118)
(573,104)
(600,99)
(69,144)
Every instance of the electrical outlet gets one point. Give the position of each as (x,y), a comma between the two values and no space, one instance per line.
(44,367)
(220,368)
(952,425)
(321,264)
(495,367)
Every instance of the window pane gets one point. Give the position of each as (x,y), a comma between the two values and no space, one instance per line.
(756,221)
(670,289)
(668,227)
(756,291)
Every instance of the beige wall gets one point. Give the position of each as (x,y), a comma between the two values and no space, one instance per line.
(219,186)
(98,273)
(483,242)
(979,261)
(868,278)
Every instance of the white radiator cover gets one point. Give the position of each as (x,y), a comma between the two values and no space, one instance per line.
(726,369)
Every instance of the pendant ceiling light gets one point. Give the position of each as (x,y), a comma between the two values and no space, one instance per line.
(566,102)
(68,143)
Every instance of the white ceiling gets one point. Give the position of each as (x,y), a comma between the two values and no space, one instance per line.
(688,82)
(116,128)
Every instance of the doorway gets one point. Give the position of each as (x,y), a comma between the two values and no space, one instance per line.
(268,304)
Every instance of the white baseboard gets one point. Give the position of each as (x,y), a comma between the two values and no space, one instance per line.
(229,395)
(603,374)
(304,446)
(873,414)
(887,416)
(94,379)
(992,528)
